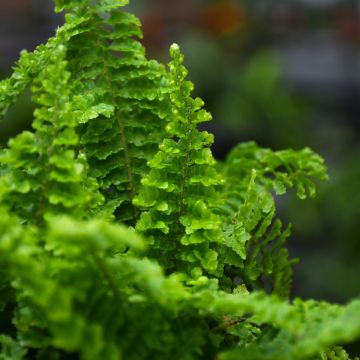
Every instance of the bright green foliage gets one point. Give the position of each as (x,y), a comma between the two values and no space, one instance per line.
(179,191)
(337,353)
(109,66)
(120,236)
(277,170)
(46,178)
(299,331)
(254,238)
(16,84)
(23,72)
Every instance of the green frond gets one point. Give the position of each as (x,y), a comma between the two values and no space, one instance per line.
(45,175)
(109,66)
(23,72)
(298,331)
(98,5)
(92,286)
(180,190)
(277,170)
(254,251)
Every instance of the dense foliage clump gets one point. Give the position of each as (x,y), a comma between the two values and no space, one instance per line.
(122,237)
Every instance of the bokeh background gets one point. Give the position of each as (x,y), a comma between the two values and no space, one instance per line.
(284,73)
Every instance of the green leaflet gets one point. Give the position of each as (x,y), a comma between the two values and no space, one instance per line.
(180,190)
(336,353)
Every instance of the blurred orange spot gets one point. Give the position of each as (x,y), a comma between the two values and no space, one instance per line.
(154,26)
(348,25)
(224,18)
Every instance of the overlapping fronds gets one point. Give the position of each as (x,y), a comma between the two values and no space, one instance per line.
(93,285)
(254,238)
(44,175)
(277,170)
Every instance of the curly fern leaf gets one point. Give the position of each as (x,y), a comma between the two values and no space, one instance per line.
(254,250)
(31,64)
(299,331)
(93,286)
(277,170)
(23,72)
(336,353)
(179,190)
(44,175)
(108,63)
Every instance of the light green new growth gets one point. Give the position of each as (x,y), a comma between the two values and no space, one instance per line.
(178,193)
(47,177)
(120,235)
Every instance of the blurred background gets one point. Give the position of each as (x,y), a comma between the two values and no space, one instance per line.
(284,73)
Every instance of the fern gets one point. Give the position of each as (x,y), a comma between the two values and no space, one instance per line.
(254,238)
(46,177)
(179,190)
(108,64)
(122,237)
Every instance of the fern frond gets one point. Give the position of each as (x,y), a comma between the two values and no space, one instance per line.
(277,170)
(254,250)
(336,353)
(298,331)
(109,65)
(179,190)
(31,64)
(23,72)
(44,175)
(92,286)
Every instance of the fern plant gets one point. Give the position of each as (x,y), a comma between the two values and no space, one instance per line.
(120,234)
